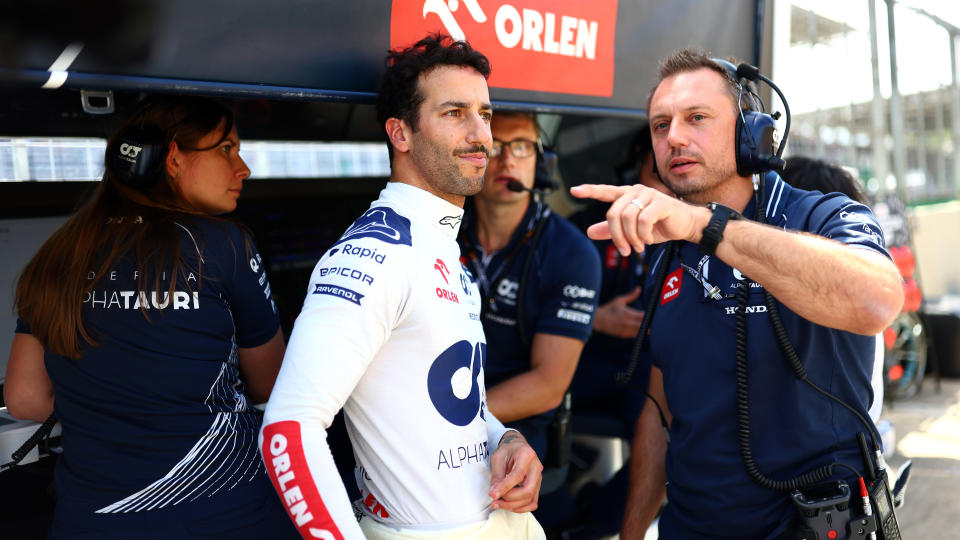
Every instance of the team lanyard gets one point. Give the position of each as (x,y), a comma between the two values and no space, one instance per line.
(485,280)
(712,290)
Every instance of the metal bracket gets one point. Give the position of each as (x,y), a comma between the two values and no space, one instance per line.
(97,101)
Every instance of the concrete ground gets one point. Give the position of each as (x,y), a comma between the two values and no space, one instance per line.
(928,433)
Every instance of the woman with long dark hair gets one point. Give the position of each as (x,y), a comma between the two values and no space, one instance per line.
(146,325)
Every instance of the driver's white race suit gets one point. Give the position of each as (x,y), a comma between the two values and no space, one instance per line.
(390,331)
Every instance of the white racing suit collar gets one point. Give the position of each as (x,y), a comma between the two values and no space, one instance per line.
(413,201)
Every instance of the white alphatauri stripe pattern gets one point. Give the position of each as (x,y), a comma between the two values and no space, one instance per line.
(221,458)
(774,201)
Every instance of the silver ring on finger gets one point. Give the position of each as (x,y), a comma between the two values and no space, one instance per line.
(637,203)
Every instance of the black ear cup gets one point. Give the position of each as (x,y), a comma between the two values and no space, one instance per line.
(754,142)
(754,133)
(139,155)
(546,165)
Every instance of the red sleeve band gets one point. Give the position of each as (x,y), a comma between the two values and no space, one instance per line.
(288,471)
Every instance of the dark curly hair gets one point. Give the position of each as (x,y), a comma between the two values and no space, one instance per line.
(399,95)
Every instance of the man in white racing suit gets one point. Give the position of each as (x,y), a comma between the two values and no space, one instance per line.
(390,331)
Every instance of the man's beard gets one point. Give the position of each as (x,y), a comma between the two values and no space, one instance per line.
(692,188)
(441,169)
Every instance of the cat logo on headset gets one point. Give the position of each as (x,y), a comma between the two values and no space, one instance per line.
(130,151)
(138,158)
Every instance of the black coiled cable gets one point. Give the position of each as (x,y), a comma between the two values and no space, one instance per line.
(743,410)
(743,395)
(801,373)
(28,445)
(743,389)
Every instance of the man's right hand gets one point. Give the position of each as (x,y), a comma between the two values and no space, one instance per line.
(516,474)
(617,319)
(641,216)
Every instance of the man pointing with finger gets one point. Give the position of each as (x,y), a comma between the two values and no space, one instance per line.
(821,258)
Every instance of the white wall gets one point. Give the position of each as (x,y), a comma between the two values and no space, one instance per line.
(19,240)
(936,239)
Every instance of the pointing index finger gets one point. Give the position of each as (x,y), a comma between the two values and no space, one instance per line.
(600,192)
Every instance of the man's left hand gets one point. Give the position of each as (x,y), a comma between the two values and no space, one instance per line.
(516,474)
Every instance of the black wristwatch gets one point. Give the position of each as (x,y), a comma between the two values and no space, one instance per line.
(713,232)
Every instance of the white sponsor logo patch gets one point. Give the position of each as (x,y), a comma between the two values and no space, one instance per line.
(575,291)
(575,316)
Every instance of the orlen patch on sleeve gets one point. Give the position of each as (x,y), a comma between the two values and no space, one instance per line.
(288,470)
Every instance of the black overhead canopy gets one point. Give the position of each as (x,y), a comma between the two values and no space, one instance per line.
(569,56)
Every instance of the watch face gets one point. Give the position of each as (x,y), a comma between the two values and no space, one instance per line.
(731,213)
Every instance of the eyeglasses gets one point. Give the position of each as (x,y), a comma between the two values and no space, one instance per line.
(520,148)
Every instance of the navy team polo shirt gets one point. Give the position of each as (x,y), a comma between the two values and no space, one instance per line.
(155,416)
(560,297)
(794,428)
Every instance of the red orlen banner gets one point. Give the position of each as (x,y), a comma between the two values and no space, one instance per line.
(545,45)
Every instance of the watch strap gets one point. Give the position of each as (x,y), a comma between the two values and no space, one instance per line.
(713,233)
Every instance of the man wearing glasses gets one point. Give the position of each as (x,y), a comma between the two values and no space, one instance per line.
(538,276)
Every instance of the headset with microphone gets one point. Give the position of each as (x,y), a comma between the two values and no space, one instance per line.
(755,153)
(754,149)
(546,166)
(543,182)
(517,186)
